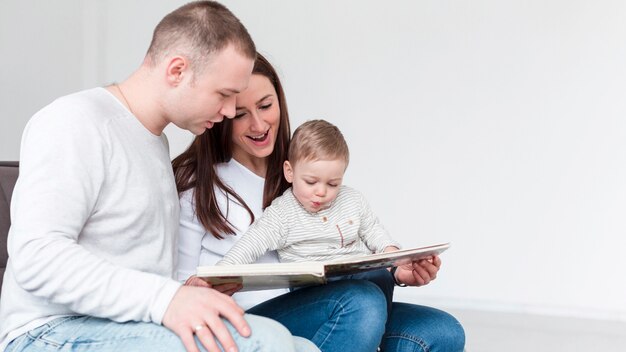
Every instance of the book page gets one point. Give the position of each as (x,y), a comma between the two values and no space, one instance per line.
(382,260)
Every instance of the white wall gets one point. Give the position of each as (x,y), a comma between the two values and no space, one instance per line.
(496,125)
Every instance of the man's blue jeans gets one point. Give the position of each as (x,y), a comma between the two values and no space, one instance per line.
(81,333)
(350,315)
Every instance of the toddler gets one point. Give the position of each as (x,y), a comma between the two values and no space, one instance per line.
(318,218)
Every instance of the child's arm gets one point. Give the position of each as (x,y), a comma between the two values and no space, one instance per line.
(372,232)
(391,249)
(265,234)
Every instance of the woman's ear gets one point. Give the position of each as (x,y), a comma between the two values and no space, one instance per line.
(288,171)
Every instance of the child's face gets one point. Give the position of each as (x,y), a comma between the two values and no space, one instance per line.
(315,183)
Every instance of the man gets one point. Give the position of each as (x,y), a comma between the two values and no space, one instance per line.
(95,209)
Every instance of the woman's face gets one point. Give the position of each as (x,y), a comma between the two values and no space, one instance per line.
(256,121)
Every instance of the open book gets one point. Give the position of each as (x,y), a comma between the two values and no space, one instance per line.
(278,275)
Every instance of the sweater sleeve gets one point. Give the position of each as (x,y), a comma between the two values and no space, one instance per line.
(62,169)
(266,234)
(371,231)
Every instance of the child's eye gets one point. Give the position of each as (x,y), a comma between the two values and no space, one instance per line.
(309,182)
(332,185)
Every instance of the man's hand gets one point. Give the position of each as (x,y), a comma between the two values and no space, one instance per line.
(198,310)
(418,273)
(227,289)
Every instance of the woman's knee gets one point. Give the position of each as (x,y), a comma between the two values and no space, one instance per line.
(420,328)
(450,336)
(366,304)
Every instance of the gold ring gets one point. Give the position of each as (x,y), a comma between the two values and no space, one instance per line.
(198,328)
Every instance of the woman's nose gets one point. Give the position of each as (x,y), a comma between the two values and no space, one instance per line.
(257,123)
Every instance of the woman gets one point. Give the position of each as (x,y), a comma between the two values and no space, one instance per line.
(232,172)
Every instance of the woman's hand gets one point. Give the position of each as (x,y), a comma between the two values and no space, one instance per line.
(418,273)
(227,289)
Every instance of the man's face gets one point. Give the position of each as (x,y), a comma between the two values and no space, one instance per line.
(207,98)
(315,183)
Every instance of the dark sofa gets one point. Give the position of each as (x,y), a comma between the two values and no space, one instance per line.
(8,176)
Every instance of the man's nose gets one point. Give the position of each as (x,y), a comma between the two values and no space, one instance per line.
(229,108)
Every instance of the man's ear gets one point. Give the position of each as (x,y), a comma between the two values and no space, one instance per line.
(288,171)
(177,68)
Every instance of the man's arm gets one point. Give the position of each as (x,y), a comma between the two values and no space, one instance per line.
(62,168)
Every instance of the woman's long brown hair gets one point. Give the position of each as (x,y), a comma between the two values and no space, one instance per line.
(195,167)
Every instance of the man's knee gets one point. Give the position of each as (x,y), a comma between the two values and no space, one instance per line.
(265,332)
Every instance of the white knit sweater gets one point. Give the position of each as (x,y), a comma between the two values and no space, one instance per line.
(198,247)
(95,218)
(347,228)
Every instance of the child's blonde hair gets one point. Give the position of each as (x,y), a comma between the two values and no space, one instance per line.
(318,140)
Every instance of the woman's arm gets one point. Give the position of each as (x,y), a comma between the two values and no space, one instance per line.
(191,233)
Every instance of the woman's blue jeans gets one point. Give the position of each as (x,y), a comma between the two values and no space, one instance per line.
(414,328)
(81,333)
(350,315)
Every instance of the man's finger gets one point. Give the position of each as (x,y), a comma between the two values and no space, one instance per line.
(236,319)
(188,341)
(204,334)
(222,334)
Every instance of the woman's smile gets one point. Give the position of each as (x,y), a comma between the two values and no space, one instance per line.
(260,138)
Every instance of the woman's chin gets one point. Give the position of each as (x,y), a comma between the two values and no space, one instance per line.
(260,150)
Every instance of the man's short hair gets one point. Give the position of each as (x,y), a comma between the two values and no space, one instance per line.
(196,31)
(318,140)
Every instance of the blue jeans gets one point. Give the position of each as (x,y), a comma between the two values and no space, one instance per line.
(414,328)
(345,315)
(341,316)
(381,277)
(82,333)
